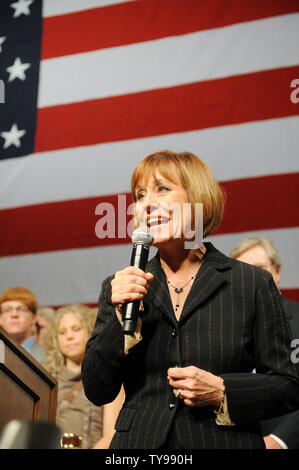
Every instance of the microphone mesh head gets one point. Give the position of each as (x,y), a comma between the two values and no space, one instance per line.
(142,236)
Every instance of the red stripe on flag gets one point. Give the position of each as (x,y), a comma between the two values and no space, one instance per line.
(292,294)
(252,204)
(54,226)
(261,203)
(146,20)
(200,105)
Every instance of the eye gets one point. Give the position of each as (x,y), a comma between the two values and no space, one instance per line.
(162,188)
(140,196)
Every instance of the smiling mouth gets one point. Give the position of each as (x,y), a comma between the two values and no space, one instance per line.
(157,221)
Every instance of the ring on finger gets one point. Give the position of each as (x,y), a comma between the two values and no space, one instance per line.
(177,392)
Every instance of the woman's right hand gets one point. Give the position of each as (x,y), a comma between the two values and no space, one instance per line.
(128,285)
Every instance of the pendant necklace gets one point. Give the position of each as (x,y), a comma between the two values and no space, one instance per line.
(178,291)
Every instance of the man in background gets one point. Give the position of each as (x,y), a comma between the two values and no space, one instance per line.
(282,432)
(18,307)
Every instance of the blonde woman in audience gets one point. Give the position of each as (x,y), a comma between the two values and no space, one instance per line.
(82,424)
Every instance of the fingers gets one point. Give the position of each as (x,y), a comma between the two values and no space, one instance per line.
(189,397)
(179,378)
(183,377)
(133,270)
(130,284)
(177,373)
(197,387)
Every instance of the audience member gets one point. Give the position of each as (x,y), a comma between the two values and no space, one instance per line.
(82,423)
(18,307)
(280,432)
(44,320)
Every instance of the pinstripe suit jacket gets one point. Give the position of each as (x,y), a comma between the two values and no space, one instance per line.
(287,427)
(232,322)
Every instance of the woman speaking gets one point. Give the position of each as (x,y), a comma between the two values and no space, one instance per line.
(206,322)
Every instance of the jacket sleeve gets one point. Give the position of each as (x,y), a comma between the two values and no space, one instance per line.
(285,427)
(274,389)
(104,355)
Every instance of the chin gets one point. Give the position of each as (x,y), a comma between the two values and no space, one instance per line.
(159,242)
(163,242)
(14,332)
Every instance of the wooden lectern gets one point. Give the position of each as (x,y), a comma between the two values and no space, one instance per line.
(28,392)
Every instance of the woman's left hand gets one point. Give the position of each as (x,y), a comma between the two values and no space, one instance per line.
(196,387)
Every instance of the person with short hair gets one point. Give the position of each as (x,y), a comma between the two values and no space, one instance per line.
(281,432)
(205,321)
(18,311)
(260,252)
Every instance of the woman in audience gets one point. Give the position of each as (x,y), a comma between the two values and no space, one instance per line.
(82,423)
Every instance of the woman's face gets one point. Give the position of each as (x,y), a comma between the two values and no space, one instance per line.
(161,205)
(72,337)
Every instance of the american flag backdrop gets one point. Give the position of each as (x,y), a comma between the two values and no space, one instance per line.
(92,87)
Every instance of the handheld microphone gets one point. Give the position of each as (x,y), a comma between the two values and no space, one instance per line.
(142,240)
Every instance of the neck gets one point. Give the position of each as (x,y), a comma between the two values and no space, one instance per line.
(21,338)
(180,269)
(73,366)
(182,262)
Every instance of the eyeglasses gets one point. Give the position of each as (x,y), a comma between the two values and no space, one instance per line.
(8,310)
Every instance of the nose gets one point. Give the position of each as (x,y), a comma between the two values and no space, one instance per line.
(14,312)
(149,202)
(69,334)
(145,207)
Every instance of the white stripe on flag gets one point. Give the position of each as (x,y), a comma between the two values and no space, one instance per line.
(61,7)
(203,55)
(233,152)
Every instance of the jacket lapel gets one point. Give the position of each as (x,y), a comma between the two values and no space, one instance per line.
(209,279)
(158,292)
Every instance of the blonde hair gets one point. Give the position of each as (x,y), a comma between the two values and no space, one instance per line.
(251,242)
(54,359)
(195,177)
(46,312)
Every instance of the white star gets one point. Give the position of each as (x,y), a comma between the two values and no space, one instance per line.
(21,7)
(12,137)
(17,70)
(2,39)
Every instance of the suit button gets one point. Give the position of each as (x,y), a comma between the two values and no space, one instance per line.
(174,333)
(171,406)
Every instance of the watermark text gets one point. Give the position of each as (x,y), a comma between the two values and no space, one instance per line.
(2,92)
(295,93)
(295,353)
(176,220)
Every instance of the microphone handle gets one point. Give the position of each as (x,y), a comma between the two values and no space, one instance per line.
(130,314)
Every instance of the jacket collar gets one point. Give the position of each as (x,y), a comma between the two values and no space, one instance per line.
(210,277)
